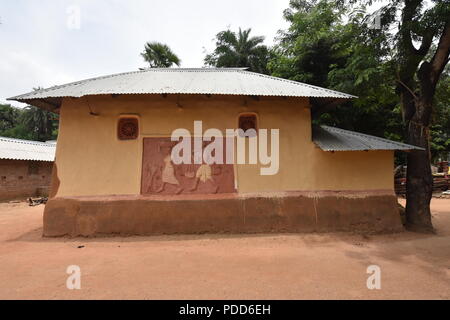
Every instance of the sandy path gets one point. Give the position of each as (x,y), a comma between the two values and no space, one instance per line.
(304,266)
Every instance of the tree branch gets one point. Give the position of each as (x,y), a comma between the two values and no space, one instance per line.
(441,57)
(407,20)
(407,88)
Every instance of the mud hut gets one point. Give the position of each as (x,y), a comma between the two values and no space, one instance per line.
(115,171)
(25,168)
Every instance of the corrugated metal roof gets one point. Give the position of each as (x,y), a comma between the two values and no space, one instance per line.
(15,149)
(226,81)
(335,139)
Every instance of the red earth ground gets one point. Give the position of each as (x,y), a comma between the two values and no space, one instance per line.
(265,266)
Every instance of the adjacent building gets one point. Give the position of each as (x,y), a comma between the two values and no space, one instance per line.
(25,168)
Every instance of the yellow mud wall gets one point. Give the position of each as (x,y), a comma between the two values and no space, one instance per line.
(91,161)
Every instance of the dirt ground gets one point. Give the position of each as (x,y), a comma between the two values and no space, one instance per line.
(290,266)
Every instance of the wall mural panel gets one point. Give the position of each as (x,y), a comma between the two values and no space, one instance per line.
(161,176)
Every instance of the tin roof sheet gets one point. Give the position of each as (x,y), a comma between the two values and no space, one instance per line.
(335,139)
(16,149)
(224,81)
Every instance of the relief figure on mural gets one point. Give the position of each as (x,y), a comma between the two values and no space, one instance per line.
(168,176)
(161,176)
(165,171)
(204,174)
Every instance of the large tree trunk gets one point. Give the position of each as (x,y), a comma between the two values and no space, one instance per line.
(419,183)
(417,103)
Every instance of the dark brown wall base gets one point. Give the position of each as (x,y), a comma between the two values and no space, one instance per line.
(228,214)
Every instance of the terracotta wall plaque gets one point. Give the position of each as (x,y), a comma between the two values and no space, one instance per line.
(248,121)
(128,129)
(161,176)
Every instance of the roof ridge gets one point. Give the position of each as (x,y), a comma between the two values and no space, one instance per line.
(146,79)
(30,142)
(196,69)
(241,70)
(122,74)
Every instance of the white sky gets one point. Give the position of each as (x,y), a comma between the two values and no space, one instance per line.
(37,48)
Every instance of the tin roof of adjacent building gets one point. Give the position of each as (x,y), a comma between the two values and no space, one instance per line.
(15,149)
(335,139)
(220,81)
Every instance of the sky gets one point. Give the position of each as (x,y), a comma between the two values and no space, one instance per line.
(51,42)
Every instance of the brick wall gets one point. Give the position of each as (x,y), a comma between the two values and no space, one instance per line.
(21,179)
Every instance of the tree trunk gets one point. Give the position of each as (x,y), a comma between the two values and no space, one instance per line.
(419,183)
(417,84)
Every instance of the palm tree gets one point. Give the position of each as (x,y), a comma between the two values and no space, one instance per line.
(41,125)
(8,117)
(239,50)
(159,55)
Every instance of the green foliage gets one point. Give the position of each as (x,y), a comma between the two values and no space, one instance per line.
(8,117)
(159,55)
(332,44)
(239,50)
(307,51)
(30,123)
(440,128)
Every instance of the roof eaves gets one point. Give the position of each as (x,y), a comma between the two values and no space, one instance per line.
(31,96)
(342,143)
(344,95)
